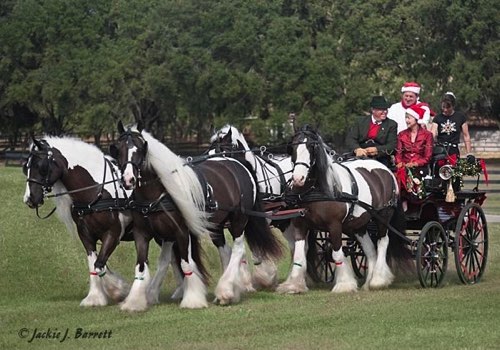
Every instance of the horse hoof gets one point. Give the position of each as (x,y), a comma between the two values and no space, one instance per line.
(133,307)
(222,302)
(153,300)
(93,301)
(192,305)
(282,288)
(345,288)
(250,289)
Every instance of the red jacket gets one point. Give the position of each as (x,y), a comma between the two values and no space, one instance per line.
(419,152)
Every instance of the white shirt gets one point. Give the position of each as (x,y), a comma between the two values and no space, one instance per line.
(397,113)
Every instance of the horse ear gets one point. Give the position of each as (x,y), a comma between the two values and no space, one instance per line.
(140,125)
(37,143)
(113,151)
(121,129)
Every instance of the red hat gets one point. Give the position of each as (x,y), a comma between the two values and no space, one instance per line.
(411,87)
(426,107)
(417,113)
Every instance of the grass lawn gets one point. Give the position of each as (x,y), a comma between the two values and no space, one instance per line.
(44,277)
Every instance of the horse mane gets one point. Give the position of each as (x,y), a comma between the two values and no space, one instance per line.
(76,152)
(236,136)
(327,177)
(181,183)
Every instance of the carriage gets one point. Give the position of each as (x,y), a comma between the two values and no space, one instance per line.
(434,224)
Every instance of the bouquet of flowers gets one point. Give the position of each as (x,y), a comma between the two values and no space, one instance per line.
(414,185)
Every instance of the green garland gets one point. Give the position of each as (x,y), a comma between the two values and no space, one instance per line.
(464,168)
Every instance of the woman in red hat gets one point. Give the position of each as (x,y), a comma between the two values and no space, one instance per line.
(413,151)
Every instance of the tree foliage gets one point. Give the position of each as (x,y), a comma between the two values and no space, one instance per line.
(182,66)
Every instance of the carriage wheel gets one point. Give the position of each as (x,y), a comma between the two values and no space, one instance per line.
(320,264)
(471,244)
(432,255)
(358,258)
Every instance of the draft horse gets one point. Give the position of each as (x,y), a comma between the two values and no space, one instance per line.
(272,175)
(88,198)
(202,198)
(340,198)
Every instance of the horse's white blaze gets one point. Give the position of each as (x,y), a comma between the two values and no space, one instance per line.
(27,191)
(128,172)
(137,299)
(96,295)
(300,170)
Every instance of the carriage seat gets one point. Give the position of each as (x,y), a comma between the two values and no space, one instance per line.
(438,153)
(436,183)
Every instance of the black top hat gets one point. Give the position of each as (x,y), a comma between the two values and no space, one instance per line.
(379,102)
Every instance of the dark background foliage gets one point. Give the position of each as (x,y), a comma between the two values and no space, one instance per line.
(184,66)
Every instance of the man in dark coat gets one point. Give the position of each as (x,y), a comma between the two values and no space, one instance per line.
(374,136)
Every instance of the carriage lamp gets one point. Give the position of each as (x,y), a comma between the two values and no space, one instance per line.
(446,172)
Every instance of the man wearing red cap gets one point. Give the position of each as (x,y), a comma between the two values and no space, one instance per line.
(409,96)
(413,151)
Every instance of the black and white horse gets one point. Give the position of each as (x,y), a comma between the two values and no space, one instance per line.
(273,173)
(88,198)
(341,198)
(223,190)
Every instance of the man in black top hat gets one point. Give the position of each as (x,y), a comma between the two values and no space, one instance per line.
(374,136)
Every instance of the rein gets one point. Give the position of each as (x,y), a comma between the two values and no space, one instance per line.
(79,189)
(85,208)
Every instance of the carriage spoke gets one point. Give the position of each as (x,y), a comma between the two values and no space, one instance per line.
(432,257)
(471,244)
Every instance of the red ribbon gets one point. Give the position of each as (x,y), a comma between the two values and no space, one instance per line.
(402,177)
(451,159)
(485,172)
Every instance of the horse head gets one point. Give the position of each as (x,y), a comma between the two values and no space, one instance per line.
(44,167)
(130,153)
(304,151)
(229,140)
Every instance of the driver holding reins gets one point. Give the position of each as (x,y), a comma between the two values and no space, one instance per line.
(375,136)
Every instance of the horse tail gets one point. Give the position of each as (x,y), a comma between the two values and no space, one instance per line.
(260,238)
(399,255)
(198,256)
